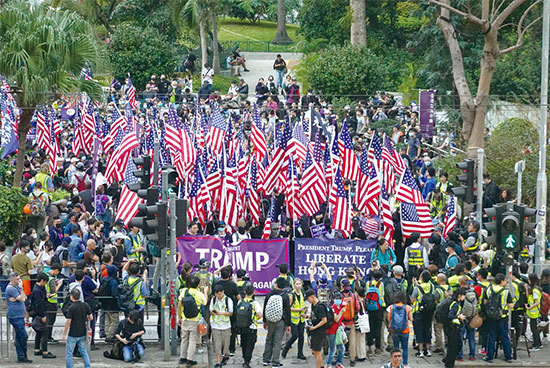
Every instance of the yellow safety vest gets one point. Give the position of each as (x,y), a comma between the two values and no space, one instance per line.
(436,206)
(441,290)
(298,302)
(221,306)
(456,321)
(534,312)
(516,295)
(43,179)
(136,243)
(138,297)
(503,298)
(475,246)
(416,257)
(453,282)
(254,315)
(484,286)
(51,299)
(428,288)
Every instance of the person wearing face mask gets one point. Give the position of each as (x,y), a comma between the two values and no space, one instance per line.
(413,146)
(297,320)
(22,264)
(429,186)
(221,231)
(338,309)
(241,233)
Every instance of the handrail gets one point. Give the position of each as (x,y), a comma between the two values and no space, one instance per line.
(5,342)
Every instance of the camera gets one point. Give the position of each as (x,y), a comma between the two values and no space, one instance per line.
(319,264)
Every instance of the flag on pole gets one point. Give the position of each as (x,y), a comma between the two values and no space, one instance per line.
(253,200)
(386,215)
(131,93)
(341,209)
(257,136)
(416,218)
(408,191)
(119,158)
(450,216)
(217,130)
(350,165)
(9,143)
(269,220)
(129,201)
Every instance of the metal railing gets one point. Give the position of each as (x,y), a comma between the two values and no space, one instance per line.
(257,46)
(6,337)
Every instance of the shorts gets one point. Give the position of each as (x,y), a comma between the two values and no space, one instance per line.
(317,339)
(27,287)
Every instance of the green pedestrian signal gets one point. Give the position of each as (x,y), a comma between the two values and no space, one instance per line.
(510,242)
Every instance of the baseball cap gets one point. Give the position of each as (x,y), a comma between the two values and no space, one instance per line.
(310,292)
(118,236)
(345,283)
(323,279)
(398,270)
(203,262)
(119,222)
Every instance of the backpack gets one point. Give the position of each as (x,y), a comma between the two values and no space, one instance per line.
(427,301)
(126,296)
(274,308)
(544,303)
(37,206)
(469,307)
(67,302)
(244,314)
(56,258)
(81,183)
(398,321)
(189,305)
(441,314)
(323,293)
(494,305)
(391,289)
(373,298)
(30,306)
(100,208)
(330,315)
(349,312)
(204,279)
(522,299)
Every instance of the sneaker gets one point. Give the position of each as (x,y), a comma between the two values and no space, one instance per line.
(231,353)
(191,363)
(218,365)
(482,351)
(472,359)
(48,355)
(459,359)
(534,348)
(377,351)
(38,353)
(508,360)
(266,364)
(275,365)
(419,354)
(352,363)
(200,350)
(301,357)
(428,353)
(488,360)
(26,360)
(284,353)
(183,361)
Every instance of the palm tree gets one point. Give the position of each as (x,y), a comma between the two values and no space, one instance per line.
(42,52)
(281,37)
(193,13)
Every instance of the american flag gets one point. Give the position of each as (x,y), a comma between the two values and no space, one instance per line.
(78,140)
(217,130)
(292,198)
(178,139)
(350,165)
(375,149)
(119,122)
(131,94)
(408,191)
(279,161)
(386,215)
(129,201)
(341,210)
(214,184)
(392,156)
(88,123)
(42,129)
(298,144)
(107,140)
(119,158)
(376,155)
(253,200)
(257,136)
(373,192)
(269,219)
(450,216)
(229,207)
(314,190)
(332,160)
(8,139)
(53,151)
(362,186)
(416,218)
(86,74)
(370,226)
(199,128)
(198,196)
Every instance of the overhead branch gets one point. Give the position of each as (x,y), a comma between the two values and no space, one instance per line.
(519,42)
(468,16)
(508,11)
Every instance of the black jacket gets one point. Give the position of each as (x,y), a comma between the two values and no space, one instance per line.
(491,195)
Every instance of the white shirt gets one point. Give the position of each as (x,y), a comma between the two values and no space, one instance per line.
(207,75)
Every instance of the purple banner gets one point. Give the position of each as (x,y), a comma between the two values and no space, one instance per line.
(427,113)
(258,257)
(336,254)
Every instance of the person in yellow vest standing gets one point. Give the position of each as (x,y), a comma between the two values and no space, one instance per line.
(416,256)
(250,335)
(52,287)
(190,301)
(133,245)
(221,310)
(454,326)
(297,319)
(44,177)
(424,303)
(131,276)
(534,297)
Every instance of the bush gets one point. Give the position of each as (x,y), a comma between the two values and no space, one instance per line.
(59,195)
(511,141)
(321,19)
(141,51)
(219,82)
(11,213)
(354,71)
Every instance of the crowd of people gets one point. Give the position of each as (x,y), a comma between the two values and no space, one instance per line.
(77,258)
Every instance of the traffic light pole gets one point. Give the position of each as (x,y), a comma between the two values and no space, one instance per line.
(479,191)
(156,163)
(173,275)
(519,167)
(541,178)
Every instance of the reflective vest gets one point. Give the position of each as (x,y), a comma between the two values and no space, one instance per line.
(515,297)
(427,287)
(534,312)
(524,256)
(51,299)
(503,298)
(453,281)
(220,306)
(456,321)
(43,179)
(484,285)
(138,297)
(436,206)
(475,246)
(441,291)
(298,302)
(380,288)
(254,315)
(416,257)
(136,243)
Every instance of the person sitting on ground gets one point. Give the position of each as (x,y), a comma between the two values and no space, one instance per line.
(129,332)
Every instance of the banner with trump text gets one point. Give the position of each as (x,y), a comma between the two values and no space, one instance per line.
(259,258)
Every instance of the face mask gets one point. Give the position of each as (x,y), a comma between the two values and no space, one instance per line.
(275,232)
(242,230)
(349,274)
(75,192)
(337,301)
(58,226)
(411,135)
(220,229)
(35,235)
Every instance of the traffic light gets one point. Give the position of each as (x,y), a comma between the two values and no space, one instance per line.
(171,186)
(526,227)
(181,216)
(466,191)
(510,230)
(143,174)
(493,225)
(157,223)
(151,197)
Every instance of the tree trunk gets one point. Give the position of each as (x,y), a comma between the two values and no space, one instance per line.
(358,23)
(487,68)
(215,46)
(22,130)
(204,47)
(281,38)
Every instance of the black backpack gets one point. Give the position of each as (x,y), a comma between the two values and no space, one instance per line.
(30,306)
(244,314)
(189,305)
(441,314)
(493,308)
(126,300)
(330,315)
(427,302)
(67,302)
